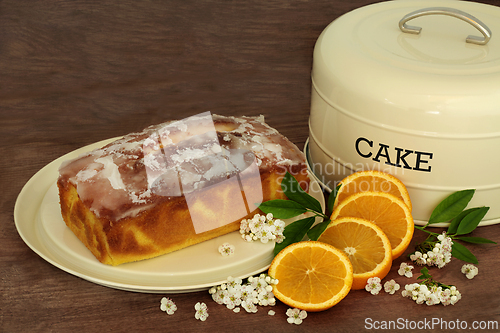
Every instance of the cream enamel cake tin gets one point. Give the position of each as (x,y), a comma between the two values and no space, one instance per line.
(424,107)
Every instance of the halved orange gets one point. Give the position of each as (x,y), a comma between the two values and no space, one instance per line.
(312,276)
(364,243)
(385,210)
(372,180)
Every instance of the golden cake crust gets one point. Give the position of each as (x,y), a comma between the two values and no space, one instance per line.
(165,225)
(154,232)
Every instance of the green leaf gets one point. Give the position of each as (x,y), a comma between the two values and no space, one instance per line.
(331,198)
(425,274)
(450,207)
(317,230)
(476,240)
(471,221)
(294,232)
(282,209)
(453,227)
(461,252)
(291,188)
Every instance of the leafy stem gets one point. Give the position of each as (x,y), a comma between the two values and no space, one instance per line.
(429,281)
(462,222)
(298,203)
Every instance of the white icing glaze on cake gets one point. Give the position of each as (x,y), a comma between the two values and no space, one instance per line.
(134,172)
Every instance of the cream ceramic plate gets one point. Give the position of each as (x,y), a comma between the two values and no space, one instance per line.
(39,223)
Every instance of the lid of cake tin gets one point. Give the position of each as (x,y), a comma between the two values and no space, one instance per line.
(443,81)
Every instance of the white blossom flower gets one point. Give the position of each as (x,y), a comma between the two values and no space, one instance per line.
(259,283)
(405,269)
(271,227)
(441,253)
(279,239)
(219,296)
(440,260)
(232,299)
(226,249)
(417,292)
(442,236)
(249,306)
(265,234)
(431,299)
(455,293)
(271,312)
(446,244)
(244,226)
(408,291)
(295,316)
(233,283)
(419,258)
(256,224)
(373,285)
(266,298)
(470,270)
(235,294)
(449,296)
(265,228)
(201,311)
(420,293)
(391,287)
(431,258)
(168,305)
(249,294)
(447,257)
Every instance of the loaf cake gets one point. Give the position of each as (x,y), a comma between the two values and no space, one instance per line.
(174,185)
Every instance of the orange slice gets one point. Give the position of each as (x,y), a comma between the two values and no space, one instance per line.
(364,243)
(385,210)
(372,180)
(312,276)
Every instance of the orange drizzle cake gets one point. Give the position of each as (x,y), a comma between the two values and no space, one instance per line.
(174,185)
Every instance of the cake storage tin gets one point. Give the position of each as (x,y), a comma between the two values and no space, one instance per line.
(411,88)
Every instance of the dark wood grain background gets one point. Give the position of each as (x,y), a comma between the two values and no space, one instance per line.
(76,72)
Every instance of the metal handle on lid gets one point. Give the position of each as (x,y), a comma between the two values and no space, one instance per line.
(450,12)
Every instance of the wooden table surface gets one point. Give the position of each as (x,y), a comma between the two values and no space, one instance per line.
(77,72)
